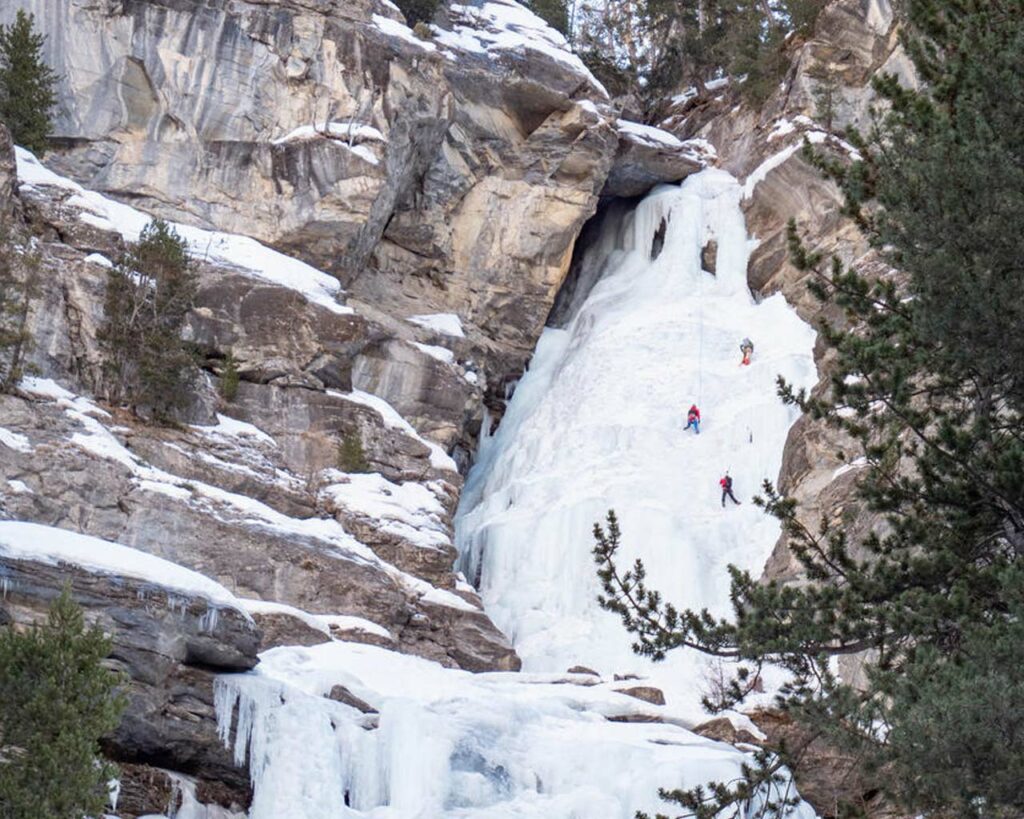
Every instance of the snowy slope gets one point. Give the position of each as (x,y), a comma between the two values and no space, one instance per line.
(597,423)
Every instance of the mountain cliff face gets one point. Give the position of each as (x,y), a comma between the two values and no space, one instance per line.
(381,225)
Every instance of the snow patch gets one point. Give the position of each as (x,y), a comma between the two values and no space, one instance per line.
(98,258)
(241,252)
(395,29)
(407,510)
(19,487)
(439,459)
(447,324)
(442,354)
(45,544)
(14,440)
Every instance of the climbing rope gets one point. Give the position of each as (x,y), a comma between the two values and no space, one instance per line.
(700,334)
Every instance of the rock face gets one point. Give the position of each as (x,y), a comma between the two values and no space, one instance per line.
(428,175)
(8,174)
(167,642)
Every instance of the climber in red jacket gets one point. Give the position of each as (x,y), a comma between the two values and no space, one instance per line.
(693,419)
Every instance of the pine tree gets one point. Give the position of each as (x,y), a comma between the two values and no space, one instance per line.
(928,381)
(418,11)
(27,84)
(56,701)
(554,12)
(149,292)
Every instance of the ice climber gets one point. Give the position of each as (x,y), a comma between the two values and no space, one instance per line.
(726,484)
(693,419)
(747,348)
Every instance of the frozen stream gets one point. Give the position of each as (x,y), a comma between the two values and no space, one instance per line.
(597,422)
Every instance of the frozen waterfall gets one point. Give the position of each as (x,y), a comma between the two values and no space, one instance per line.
(597,423)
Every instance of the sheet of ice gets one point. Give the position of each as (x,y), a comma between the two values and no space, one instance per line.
(46,544)
(597,423)
(447,324)
(442,354)
(448,743)
(241,252)
(439,459)
(14,440)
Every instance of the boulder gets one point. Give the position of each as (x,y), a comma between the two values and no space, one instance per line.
(648,156)
(646,693)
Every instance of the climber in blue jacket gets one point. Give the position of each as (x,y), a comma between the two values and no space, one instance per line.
(693,419)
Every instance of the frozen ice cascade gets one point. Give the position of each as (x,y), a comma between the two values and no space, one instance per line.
(596,422)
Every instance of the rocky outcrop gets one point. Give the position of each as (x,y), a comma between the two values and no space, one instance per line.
(251,499)
(649,156)
(168,640)
(444,175)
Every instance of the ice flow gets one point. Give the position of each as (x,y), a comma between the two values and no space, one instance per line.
(598,421)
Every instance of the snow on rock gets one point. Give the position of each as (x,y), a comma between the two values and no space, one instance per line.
(340,130)
(499,26)
(648,134)
(442,354)
(321,622)
(597,423)
(809,133)
(19,487)
(228,427)
(447,324)
(98,258)
(14,440)
(393,28)
(408,510)
(349,135)
(45,388)
(439,459)
(241,252)
(448,743)
(98,440)
(52,546)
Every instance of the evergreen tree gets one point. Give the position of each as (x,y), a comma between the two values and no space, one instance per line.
(418,11)
(928,381)
(653,48)
(553,12)
(149,292)
(27,84)
(56,701)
